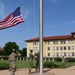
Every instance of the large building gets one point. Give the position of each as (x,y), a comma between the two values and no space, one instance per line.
(54,46)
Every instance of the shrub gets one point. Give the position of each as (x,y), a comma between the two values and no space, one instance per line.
(58,59)
(70,59)
(4,65)
(50,65)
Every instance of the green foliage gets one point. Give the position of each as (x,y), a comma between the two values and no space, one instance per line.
(20,51)
(70,59)
(69,64)
(58,59)
(1,52)
(24,64)
(24,52)
(4,65)
(8,48)
(48,64)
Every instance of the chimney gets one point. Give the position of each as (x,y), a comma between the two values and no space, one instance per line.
(73,34)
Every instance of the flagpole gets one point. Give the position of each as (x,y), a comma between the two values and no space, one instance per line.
(21,9)
(41,36)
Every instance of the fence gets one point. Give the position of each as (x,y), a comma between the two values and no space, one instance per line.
(25,58)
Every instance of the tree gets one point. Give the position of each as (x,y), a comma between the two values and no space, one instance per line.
(8,48)
(1,53)
(24,52)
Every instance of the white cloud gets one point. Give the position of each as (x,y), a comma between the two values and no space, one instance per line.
(2,8)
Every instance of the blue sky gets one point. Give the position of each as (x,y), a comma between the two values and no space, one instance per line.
(58,19)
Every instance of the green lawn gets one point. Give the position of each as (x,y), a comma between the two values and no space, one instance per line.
(24,64)
(67,64)
(20,64)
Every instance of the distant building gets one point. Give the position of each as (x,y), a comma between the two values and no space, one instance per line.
(1,49)
(54,46)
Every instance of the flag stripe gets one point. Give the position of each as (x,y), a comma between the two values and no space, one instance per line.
(11,20)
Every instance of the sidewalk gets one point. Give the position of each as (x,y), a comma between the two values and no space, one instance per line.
(71,68)
(67,71)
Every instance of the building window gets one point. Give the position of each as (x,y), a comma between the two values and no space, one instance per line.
(48,42)
(30,48)
(61,48)
(72,53)
(57,54)
(57,48)
(61,53)
(69,48)
(64,53)
(53,47)
(62,41)
(64,47)
(48,48)
(48,54)
(70,41)
(35,43)
(69,54)
(54,54)
(72,47)
(35,48)
(55,42)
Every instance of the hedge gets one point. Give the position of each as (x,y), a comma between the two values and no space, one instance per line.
(70,59)
(4,65)
(49,64)
(58,59)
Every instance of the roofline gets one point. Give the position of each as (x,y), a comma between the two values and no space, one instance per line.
(62,37)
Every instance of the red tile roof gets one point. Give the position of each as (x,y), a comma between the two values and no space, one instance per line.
(53,38)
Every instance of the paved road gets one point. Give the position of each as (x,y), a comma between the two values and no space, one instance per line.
(67,71)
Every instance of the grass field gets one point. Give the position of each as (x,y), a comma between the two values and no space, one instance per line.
(24,64)
(19,64)
(67,64)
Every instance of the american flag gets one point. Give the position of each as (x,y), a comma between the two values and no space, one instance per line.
(12,19)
